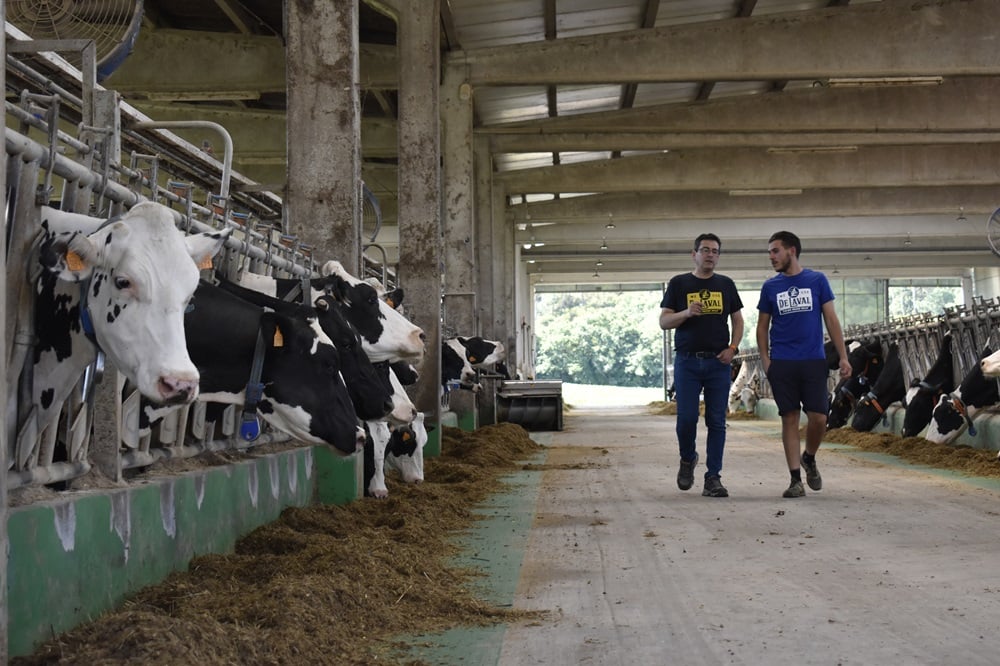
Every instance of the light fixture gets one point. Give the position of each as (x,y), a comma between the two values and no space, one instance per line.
(868,257)
(596,274)
(907,242)
(836,270)
(599,263)
(611,222)
(604,243)
(961,214)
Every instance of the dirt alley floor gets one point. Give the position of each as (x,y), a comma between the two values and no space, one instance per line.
(889,563)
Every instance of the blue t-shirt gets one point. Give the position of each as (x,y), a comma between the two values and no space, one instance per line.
(795,304)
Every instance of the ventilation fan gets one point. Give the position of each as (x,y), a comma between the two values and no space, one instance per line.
(993,232)
(112,24)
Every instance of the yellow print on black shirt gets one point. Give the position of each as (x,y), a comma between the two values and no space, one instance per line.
(711,301)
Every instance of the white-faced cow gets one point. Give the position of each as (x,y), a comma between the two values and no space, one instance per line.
(303,392)
(957,409)
(866,366)
(923,394)
(991,365)
(386,335)
(121,285)
(482,353)
(403,413)
(890,387)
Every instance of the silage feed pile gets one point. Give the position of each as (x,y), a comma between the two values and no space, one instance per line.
(322,584)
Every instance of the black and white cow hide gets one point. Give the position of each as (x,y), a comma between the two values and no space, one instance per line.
(957,409)
(923,394)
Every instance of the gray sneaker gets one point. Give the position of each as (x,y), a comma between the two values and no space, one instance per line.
(714,488)
(813,478)
(795,490)
(685,474)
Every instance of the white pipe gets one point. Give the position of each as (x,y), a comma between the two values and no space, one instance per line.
(227,140)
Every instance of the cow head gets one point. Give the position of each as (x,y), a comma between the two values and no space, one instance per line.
(385,333)
(924,394)
(956,410)
(455,365)
(304,392)
(369,390)
(137,276)
(482,353)
(991,365)
(405,452)
(889,388)
(866,366)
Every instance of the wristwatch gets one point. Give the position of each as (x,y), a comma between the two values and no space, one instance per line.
(736,350)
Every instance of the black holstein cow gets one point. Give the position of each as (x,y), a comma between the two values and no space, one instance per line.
(923,394)
(866,366)
(889,388)
(370,391)
(955,410)
(304,393)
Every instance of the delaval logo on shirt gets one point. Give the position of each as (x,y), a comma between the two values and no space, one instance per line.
(711,301)
(795,300)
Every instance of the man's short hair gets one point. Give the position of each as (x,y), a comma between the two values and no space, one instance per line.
(704,237)
(788,239)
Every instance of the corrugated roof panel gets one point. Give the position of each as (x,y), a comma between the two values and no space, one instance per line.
(484,23)
(651,94)
(678,12)
(507,104)
(591,17)
(587,99)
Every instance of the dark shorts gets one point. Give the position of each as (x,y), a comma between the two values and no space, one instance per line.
(799,385)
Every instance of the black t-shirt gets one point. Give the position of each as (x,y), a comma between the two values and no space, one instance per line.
(719,298)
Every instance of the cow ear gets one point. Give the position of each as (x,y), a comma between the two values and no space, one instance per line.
(395,298)
(202,247)
(70,255)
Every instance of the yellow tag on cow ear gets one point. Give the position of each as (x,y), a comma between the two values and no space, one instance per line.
(74,262)
(279,339)
(472,359)
(406,436)
(391,304)
(206,263)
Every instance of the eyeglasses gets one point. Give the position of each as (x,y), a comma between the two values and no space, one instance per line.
(709,250)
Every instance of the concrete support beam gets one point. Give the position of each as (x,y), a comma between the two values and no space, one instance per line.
(955,106)
(324,118)
(969,200)
(756,169)
(486,254)
(957,37)
(420,185)
(458,224)
(199,65)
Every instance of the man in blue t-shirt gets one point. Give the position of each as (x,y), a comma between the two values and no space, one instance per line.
(794,305)
(698,305)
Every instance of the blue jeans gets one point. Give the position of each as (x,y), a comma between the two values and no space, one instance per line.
(691,377)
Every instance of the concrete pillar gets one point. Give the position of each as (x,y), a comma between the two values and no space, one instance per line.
(3,402)
(483,171)
(501,325)
(458,228)
(322,196)
(418,40)
(987,283)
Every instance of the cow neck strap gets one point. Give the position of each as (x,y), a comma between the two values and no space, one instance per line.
(250,423)
(962,409)
(86,323)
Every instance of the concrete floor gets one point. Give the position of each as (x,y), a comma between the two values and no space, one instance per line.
(888,564)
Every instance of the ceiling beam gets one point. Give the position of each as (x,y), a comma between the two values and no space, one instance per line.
(957,37)
(726,169)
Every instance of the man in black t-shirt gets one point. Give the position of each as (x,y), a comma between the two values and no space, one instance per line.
(697,305)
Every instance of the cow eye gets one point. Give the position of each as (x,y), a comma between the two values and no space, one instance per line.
(122,282)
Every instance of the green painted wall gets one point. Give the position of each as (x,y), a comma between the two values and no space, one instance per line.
(78,556)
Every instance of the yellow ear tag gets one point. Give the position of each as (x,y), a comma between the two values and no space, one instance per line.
(279,339)
(472,359)
(406,436)
(391,304)
(74,262)
(206,264)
